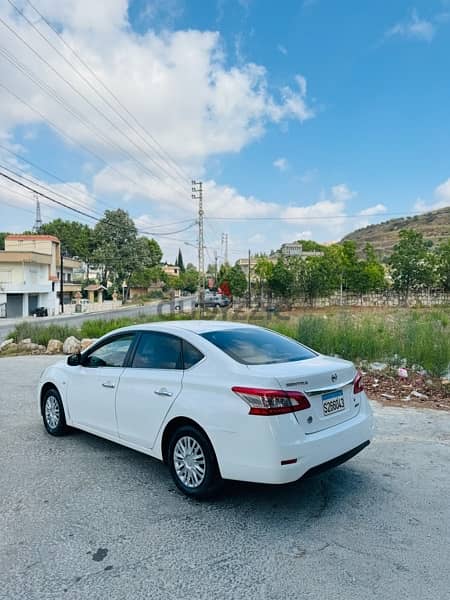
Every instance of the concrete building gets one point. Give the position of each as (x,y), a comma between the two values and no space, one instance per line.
(173,270)
(28,275)
(291,249)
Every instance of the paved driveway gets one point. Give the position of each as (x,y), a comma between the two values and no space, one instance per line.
(83,518)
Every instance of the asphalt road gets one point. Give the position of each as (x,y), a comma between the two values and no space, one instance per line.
(186,303)
(83,518)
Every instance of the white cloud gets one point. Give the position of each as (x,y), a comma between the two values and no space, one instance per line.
(413,28)
(182,87)
(309,175)
(225,201)
(181,78)
(342,192)
(373,210)
(281,164)
(443,191)
(442,195)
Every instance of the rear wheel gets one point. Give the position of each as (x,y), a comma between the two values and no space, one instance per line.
(193,464)
(53,413)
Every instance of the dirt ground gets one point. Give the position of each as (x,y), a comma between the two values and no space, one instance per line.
(421,391)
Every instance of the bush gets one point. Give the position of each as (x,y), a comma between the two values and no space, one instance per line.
(42,334)
(422,337)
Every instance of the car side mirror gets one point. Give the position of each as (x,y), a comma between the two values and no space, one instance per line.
(74,360)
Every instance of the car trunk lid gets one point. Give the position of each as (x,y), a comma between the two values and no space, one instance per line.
(328,384)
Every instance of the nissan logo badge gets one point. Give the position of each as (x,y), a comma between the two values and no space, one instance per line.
(334,377)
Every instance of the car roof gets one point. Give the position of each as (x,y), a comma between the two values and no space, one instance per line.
(199,327)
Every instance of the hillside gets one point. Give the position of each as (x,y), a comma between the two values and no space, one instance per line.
(434,226)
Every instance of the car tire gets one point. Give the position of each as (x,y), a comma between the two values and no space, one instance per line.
(193,464)
(53,413)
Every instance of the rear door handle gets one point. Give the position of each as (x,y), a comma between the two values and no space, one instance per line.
(108,384)
(163,392)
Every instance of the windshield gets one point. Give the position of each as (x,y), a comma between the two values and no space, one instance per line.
(251,346)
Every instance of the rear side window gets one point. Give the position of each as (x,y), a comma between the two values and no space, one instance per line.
(258,346)
(191,356)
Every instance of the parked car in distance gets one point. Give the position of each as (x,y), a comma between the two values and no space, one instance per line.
(41,311)
(214,400)
(213,300)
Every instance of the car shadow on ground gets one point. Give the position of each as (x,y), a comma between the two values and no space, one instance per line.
(314,496)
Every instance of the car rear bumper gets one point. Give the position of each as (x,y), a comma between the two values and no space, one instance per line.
(311,452)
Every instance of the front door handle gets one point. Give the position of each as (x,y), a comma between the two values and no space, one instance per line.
(163,392)
(108,384)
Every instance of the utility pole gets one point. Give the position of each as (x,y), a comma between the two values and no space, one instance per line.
(61,278)
(197,194)
(224,248)
(249,282)
(215,268)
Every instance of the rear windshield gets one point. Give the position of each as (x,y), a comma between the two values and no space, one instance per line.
(257,346)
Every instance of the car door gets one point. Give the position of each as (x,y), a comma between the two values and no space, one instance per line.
(148,387)
(92,386)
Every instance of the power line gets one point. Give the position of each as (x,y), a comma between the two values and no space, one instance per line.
(54,95)
(50,174)
(353,216)
(95,199)
(27,187)
(67,136)
(49,190)
(83,213)
(76,91)
(172,164)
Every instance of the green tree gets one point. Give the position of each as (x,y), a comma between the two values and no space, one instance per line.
(281,280)
(237,281)
(145,277)
(263,270)
(316,276)
(3,234)
(443,264)
(76,238)
(311,246)
(189,279)
(412,263)
(119,251)
(179,261)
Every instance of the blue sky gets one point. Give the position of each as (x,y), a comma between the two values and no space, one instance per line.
(318,116)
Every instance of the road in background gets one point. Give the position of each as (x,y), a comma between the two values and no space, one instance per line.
(81,517)
(185,303)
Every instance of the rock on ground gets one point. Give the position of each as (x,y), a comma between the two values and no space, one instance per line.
(72,345)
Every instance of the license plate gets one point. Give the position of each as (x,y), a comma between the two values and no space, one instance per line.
(333,402)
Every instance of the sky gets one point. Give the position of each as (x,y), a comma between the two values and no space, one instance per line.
(304,119)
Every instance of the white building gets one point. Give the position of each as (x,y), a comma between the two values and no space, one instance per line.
(291,249)
(29,275)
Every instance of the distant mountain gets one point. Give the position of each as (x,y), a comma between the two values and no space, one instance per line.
(434,226)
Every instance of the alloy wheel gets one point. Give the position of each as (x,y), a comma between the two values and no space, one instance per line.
(189,462)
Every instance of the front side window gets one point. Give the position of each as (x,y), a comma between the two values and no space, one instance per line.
(156,350)
(252,346)
(111,354)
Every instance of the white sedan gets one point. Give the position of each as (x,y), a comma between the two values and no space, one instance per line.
(214,400)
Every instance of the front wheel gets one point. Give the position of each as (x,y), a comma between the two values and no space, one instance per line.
(193,464)
(53,413)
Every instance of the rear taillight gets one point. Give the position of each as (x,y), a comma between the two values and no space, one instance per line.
(271,402)
(358,385)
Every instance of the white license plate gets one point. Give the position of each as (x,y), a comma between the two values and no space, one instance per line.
(333,402)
